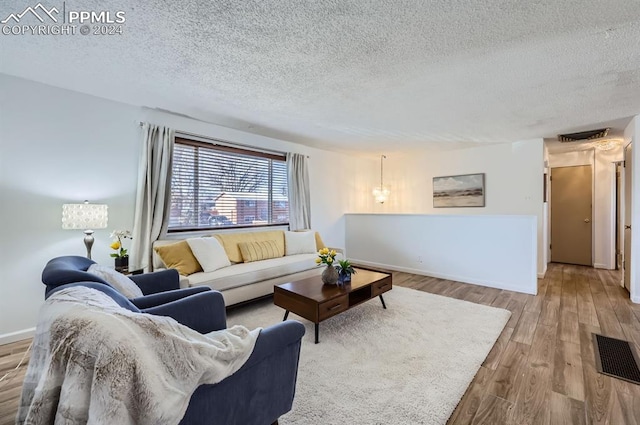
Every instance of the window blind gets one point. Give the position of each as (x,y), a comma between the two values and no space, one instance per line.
(215,186)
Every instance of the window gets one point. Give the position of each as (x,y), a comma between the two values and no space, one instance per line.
(214,186)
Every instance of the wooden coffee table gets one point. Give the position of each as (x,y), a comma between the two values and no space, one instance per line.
(315,301)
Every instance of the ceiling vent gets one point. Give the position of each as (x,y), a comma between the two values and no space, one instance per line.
(584,135)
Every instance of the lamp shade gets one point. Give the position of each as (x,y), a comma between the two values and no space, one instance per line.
(84,216)
(381,194)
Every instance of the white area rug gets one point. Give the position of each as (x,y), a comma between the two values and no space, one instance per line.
(409,364)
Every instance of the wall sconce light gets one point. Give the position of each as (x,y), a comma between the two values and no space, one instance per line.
(85,217)
(381,193)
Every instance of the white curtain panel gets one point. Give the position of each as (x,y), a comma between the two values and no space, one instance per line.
(299,199)
(153,193)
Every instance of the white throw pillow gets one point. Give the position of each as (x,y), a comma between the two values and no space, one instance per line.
(209,253)
(299,243)
(117,280)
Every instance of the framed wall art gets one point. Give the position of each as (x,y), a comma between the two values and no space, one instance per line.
(466,190)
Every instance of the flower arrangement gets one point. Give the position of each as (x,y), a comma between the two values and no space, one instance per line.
(326,257)
(117,243)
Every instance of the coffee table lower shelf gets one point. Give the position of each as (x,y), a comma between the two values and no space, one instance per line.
(310,299)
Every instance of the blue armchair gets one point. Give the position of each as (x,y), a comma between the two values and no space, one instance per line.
(261,391)
(158,287)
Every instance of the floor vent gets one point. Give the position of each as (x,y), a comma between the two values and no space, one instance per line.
(615,357)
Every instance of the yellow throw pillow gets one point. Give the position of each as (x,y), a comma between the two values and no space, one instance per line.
(256,251)
(179,256)
(230,241)
(319,243)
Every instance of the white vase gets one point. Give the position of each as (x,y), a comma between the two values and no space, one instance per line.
(330,275)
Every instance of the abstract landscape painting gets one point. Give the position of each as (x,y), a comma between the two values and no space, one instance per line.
(458,191)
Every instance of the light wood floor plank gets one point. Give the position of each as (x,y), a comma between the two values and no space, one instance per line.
(566,411)
(493,410)
(550,313)
(568,298)
(586,309)
(629,408)
(568,327)
(599,295)
(516,308)
(502,300)
(568,378)
(609,324)
(532,405)
(526,327)
(544,345)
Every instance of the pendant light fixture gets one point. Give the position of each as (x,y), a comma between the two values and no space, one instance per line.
(381,193)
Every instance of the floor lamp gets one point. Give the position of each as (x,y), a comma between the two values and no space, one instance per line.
(85,217)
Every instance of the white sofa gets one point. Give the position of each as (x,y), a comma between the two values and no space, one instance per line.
(244,281)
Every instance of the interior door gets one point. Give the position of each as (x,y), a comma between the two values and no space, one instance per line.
(571,215)
(627,217)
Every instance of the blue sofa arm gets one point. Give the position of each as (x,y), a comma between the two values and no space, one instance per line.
(152,283)
(261,391)
(153,300)
(273,338)
(203,312)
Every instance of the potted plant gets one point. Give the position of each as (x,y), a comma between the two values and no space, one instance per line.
(121,256)
(345,270)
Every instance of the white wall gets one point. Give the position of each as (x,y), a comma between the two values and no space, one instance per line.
(513,182)
(603,198)
(60,146)
(488,250)
(57,147)
(632,133)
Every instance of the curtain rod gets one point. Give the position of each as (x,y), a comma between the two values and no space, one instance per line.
(224,142)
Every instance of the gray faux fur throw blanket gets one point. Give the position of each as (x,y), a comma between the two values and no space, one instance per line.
(94,362)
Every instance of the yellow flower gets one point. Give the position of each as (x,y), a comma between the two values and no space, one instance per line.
(115,245)
(329,260)
(324,251)
(318,260)
(333,252)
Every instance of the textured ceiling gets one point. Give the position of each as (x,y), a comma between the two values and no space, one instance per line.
(370,75)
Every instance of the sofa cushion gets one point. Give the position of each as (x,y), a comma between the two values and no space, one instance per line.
(179,256)
(209,253)
(299,243)
(247,273)
(319,243)
(116,280)
(230,241)
(256,251)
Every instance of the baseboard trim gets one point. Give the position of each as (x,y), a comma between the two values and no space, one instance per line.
(601,266)
(635,300)
(464,279)
(17,336)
